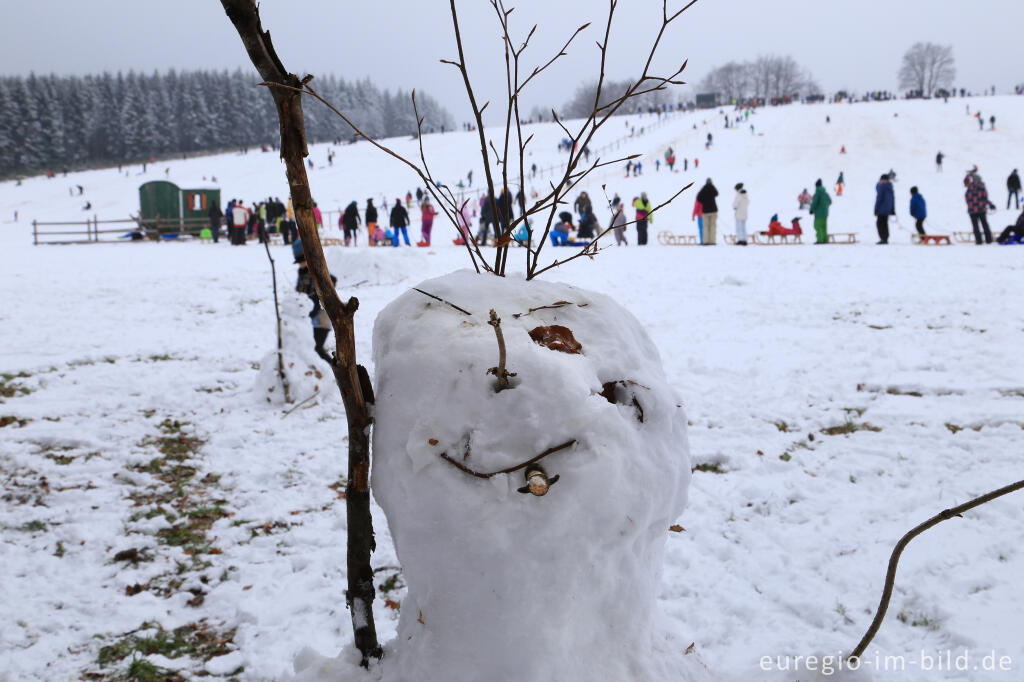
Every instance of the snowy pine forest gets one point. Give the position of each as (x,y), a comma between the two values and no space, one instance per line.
(49,122)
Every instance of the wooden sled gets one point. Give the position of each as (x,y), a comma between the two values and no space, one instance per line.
(666,238)
(937,239)
(332,241)
(776,239)
(964,237)
(842,238)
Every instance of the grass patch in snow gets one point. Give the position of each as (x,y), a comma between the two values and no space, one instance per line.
(896,390)
(10,388)
(185,502)
(917,620)
(10,419)
(708,467)
(196,641)
(781,426)
(849,426)
(32,526)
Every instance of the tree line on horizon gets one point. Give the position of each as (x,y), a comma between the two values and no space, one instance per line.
(769,77)
(55,122)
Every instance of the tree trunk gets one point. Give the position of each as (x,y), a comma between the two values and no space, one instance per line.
(352,379)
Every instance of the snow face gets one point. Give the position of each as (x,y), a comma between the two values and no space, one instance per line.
(511,586)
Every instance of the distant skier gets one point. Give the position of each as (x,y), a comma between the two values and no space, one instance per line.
(840,183)
(1013,189)
(819,209)
(885,206)
(918,209)
(938,161)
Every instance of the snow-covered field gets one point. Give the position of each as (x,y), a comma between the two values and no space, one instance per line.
(160,505)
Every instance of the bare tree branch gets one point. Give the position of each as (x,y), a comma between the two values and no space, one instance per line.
(894,559)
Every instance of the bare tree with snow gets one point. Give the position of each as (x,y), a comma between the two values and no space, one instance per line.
(927,67)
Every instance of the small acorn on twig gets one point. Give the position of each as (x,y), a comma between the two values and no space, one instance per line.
(537,481)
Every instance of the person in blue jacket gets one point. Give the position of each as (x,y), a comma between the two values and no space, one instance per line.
(918,209)
(885,206)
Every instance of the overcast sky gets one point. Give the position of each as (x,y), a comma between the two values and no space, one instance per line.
(852,44)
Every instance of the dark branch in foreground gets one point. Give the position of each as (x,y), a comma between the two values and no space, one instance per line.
(890,575)
(550,451)
(438,298)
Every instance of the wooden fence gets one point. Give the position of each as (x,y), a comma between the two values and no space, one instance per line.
(94,231)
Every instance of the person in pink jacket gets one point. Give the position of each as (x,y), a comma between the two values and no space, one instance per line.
(318,217)
(463,219)
(698,215)
(427,211)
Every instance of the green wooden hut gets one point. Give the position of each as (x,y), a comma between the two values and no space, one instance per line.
(170,208)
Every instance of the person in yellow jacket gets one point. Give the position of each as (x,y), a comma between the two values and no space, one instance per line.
(643,216)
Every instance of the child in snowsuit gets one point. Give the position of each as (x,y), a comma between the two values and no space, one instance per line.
(918,209)
(1016,230)
(804,199)
(428,212)
(321,322)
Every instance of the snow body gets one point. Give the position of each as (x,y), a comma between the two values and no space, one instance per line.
(510,586)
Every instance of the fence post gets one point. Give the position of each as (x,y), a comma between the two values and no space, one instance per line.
(35,234)
(95,228)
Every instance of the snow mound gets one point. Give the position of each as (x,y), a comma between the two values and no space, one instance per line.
(381,266)
(510,586)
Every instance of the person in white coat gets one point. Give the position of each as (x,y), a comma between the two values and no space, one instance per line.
(739,205)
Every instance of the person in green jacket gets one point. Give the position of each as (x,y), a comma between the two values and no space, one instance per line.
(819,209)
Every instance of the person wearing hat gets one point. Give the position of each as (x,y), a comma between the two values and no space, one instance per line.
(819,209)
(643,216)
(709,207)
(739,206)
(1013,189)
(977,207)
(885,206)
(918,209)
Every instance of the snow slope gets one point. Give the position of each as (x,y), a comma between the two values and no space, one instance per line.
(783,551)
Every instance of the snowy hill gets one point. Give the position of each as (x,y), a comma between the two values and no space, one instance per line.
(159,503)
(789,149)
